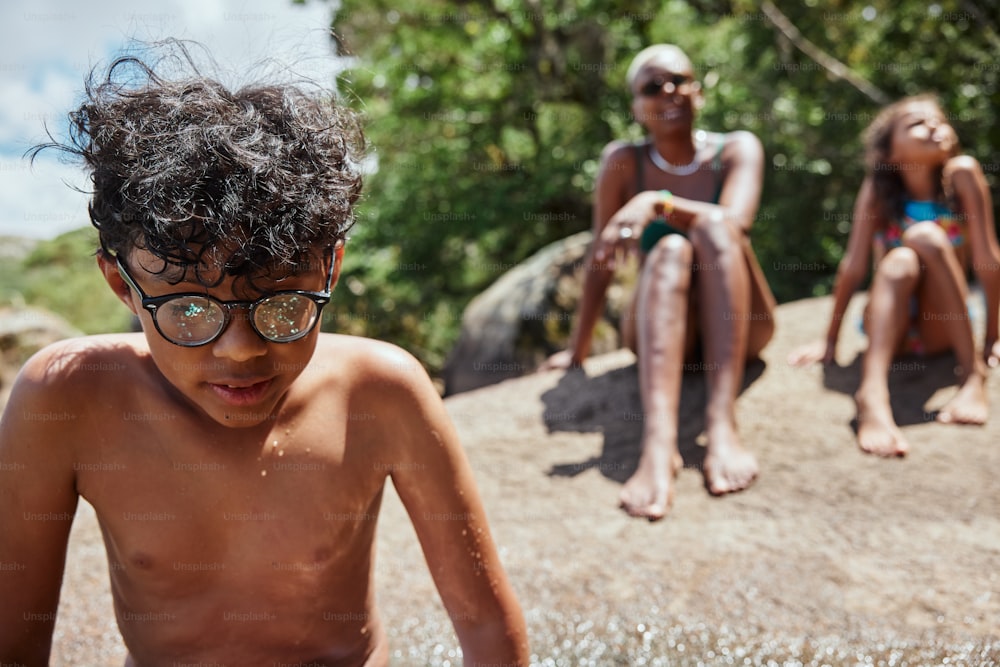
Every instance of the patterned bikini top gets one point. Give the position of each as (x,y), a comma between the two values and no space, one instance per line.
(921,211)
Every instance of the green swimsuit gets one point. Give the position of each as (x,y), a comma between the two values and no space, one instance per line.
(659,227)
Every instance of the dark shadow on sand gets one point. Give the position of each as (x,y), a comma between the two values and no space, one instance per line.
(609,403)
(913,381)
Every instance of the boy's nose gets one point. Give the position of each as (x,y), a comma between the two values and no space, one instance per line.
(239,341)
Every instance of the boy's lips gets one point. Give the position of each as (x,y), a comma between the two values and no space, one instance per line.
(241,392)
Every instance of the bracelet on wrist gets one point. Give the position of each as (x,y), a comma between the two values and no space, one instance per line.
(666,204)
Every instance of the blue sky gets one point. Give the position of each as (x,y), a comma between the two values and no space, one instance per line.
(48,46)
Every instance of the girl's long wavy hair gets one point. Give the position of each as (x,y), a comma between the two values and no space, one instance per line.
(260,178)
(889,189)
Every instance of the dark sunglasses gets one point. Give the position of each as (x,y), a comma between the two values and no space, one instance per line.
(655,86)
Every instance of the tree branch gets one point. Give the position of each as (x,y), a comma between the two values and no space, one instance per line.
(836,68)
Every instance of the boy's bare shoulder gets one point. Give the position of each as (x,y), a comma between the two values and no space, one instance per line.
(68,382)
(379,380)
(86,360)
(368,363)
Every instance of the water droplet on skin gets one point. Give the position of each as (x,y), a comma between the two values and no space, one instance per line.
(281,452)
(263,473)
(274,444)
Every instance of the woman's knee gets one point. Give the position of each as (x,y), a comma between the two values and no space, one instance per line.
(672,249)
(669,263)
(712,233)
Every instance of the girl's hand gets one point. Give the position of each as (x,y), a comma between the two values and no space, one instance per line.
(991,354)
(808,354)
(561,361)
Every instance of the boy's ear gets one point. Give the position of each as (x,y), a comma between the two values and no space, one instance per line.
(109,267)
(338,258)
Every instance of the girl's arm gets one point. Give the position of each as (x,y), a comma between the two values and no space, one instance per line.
(851,271)
(965,178)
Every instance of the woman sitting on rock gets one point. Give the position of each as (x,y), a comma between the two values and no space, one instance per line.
(684,201)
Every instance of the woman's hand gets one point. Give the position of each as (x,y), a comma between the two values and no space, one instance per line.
(620,237)
(810,353)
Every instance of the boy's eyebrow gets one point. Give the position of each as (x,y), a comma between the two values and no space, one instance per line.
(171,281)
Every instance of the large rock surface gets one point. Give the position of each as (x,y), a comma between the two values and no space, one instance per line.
(831,558)
(527,314)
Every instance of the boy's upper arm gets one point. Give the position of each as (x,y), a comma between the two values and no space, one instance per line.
(435,483)
(37,503)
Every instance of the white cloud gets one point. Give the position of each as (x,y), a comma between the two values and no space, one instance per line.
(47,48)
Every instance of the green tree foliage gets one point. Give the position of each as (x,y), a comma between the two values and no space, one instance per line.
(61,275)
(486,120)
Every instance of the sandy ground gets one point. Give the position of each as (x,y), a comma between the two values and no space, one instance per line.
(832,557)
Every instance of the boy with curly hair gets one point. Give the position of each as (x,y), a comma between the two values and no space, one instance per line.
(222,217)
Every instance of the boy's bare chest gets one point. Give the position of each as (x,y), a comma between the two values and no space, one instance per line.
(295,507)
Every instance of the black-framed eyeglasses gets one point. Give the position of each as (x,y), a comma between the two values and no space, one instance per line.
(192,319)
(658,84)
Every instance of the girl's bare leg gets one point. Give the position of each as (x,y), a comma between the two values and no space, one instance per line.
(661,329)
(945,323)
(888,315)
(723,288)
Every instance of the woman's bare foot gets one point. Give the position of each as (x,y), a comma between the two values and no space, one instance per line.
(649,492)
(728,466)
(969,405)
(877,430)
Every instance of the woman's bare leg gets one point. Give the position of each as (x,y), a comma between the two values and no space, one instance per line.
(888,316)
(945,323)
(723,288)
(661,328)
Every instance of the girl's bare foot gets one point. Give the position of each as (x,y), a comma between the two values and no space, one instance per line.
(649,492)
(877,430)
(729,466)
(969,405)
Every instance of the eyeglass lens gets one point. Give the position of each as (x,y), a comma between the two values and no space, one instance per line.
(190,320)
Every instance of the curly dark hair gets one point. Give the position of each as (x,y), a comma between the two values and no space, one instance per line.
(889,189)
(262,177)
